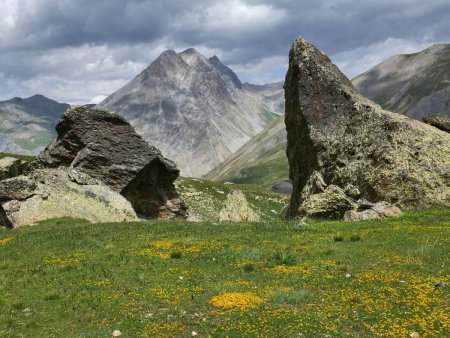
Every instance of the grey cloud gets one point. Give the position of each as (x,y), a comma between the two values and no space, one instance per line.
(63,39)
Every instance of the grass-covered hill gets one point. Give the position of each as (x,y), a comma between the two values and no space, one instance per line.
(69,278)
(261,161)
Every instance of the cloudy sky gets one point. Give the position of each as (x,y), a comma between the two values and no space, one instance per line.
(79,51)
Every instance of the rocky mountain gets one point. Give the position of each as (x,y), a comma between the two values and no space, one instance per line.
(28,125)
(194,109)
(271,95)
(414,85)
(347,154)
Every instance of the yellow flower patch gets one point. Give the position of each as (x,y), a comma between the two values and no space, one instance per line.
(6,240)
(71,259)
(294,269)
(240,300)
(163,244)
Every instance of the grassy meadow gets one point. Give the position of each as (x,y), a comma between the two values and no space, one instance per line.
(69,278)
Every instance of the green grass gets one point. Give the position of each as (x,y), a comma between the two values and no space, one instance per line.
(265,171)
(68,278)
(205,198)
(22,157)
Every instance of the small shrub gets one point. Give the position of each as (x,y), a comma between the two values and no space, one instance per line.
(338,238)
(52,296)
(284,258)
(355,238)
(249,267)
(175,254)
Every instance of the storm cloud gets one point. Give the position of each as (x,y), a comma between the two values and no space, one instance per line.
(79,51)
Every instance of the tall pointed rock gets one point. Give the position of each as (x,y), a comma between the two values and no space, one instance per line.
(338,137)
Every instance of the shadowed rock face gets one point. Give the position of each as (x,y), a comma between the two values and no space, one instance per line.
(95,144)
(338,137)
(439,121)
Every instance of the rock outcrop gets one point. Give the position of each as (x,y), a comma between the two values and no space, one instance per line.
(49,193)
(237,209)
(11,167)
(97,156)
(439,121)
(338,137)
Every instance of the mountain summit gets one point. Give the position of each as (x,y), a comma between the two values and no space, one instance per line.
(193,108)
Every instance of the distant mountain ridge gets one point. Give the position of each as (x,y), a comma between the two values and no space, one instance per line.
(194,109)
(28,125)
(415,85)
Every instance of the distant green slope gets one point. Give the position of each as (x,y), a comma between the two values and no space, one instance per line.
(261,161)
(26,158)
(28,125)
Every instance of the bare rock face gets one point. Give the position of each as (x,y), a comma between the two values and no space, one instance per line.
(100,151)
(11,167)
(439,121)
(237,209)
(338,137)
(49,193)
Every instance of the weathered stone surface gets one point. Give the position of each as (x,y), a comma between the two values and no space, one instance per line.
(100,145)
(332,203)
(237,209)
(338,137)
(377,210)
(17,188)
(439,121)
(55,195)
(11,167)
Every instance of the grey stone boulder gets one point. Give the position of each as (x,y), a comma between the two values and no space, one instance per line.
(102,145)
(98,169)
(439,121)
(11,167)
(332,203)
(237,209)
(377,210)
(335,136)
(55,196)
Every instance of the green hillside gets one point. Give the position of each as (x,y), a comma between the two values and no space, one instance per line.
(69,278)
(261,161)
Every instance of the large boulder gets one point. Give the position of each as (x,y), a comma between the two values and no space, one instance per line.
(51,194)
(338,137)
(96,155)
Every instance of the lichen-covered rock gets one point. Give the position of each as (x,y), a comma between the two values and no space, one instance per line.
(333,203)
(96,144)
(439,121)
(11,167)
(338,137)
(237,209)
(55,196)
(377,210)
